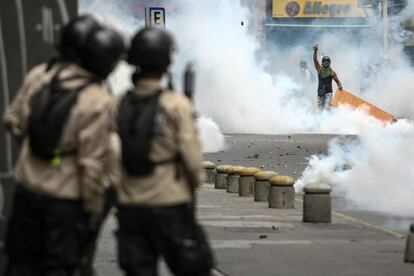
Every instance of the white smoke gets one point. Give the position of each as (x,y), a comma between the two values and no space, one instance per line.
(232,88)
(120,79)
(114,14)
(247,98)
(375,171)
(246,95)
(211,137)
(250,99)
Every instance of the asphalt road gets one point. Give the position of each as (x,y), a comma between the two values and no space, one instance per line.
(250,239)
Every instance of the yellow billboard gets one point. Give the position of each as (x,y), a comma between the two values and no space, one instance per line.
(316,9)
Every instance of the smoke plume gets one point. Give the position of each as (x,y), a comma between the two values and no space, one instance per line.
(247,86)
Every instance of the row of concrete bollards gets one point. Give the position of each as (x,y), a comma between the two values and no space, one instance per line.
(277,190)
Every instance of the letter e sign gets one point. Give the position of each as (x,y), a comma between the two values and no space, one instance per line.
(155,17)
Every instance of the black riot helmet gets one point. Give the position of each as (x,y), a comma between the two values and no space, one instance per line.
(326,58)
(102,50)
(150,50)
(74,34)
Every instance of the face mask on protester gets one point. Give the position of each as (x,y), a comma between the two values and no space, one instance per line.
(326,63)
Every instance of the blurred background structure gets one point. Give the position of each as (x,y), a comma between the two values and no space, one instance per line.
(286,24)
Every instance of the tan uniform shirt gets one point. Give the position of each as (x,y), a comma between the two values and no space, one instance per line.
(113,170)
(79,176)
(175,132)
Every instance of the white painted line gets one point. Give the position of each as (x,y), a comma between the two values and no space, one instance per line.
(246,224)
(63,11)
(245,244)
(22,36)
(316,26)
(6,98)
(370,225)
(209,206)
(218,217)
(367,224)
(218,272)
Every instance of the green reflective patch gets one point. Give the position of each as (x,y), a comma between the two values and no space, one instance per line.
(55,161)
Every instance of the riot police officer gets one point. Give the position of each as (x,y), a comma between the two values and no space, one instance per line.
(161,160)
(59,194)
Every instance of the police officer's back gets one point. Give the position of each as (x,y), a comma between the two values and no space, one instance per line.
(156,216)
(60,191)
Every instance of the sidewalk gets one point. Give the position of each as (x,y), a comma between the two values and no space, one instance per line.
(250,239)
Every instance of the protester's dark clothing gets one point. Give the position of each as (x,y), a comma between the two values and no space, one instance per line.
(324,102)
(45,235)
(146,233)
(325,85)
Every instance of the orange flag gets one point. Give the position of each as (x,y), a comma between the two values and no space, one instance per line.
(345,97)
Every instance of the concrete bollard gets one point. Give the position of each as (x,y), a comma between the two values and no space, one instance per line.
(220,181)
(246,181)
(233,179)
(317,203)
(409,248)
(282,193)
(210,170)
(262,185)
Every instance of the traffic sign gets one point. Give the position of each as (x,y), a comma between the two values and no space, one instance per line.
(155,16)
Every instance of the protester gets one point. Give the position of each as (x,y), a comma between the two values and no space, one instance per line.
(325,76)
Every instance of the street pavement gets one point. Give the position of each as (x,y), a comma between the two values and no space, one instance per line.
(248,238)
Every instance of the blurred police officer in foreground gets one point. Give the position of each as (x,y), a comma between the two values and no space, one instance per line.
(112,177)
(161,161)
(59,194)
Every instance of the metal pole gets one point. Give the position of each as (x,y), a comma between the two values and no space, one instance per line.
(385,23)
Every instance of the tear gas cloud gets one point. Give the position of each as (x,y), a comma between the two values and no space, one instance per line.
(116,14)
(267,95)
(375,170)
(210,131)
(245,86)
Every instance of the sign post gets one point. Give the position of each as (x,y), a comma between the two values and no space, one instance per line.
(155,16)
